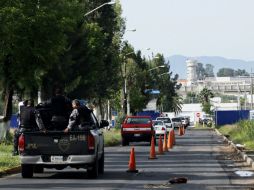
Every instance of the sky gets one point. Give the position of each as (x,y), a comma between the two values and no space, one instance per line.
(191,27)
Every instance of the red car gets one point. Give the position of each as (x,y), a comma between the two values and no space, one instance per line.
(137,128)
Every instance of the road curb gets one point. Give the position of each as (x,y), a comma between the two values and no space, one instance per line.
(244,156)
(10,171)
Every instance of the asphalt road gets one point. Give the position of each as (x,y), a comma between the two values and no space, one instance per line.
(199,155)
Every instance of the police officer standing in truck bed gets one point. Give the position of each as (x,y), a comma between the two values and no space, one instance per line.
(27,122)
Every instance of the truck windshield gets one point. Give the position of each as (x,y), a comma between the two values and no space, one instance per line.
(176,119)
(138,120)
(158,123)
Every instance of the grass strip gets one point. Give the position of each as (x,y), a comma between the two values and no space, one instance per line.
(7,161)
(240,133)
(112,137)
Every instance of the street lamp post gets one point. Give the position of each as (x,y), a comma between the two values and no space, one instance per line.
(108,3)
(251,90)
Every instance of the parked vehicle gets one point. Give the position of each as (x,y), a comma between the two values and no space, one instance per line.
(159,127)
(137,128)
(185,121)
(177,122)
(167,121)
(205,119)
(56,149)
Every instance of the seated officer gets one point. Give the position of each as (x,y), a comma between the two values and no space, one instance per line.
(79,117)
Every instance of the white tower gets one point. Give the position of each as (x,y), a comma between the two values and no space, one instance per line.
(191,71)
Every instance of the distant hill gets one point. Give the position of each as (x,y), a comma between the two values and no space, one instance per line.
(178,65)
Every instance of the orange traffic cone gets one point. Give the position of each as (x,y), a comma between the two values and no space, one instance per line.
(132,162)
(180,131)
(174,137)
(170,138)
(165,147)
(183,130)
(160,146)
(152,149)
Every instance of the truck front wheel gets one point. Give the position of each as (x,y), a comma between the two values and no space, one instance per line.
(101,164)
(27,170)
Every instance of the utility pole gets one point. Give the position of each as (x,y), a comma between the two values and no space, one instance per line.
(251,90)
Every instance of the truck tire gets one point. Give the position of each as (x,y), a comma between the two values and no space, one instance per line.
(27,170)
(101,164)
(38,169)
(93,170)
(124,142)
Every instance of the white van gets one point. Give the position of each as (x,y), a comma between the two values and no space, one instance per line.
(167,121)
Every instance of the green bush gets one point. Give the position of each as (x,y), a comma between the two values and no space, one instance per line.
(119,120)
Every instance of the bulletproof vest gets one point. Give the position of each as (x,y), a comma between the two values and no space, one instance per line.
(60,105)
(27,117)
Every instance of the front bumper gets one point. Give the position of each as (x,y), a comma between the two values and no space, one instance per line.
(136,137)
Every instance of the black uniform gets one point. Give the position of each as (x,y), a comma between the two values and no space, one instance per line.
(27,118)
(27,123)
(60,105)
(61,108)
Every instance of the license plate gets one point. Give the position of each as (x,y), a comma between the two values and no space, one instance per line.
(57,159)
(136,135)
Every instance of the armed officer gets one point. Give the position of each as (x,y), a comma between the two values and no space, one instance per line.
(61,108)
(80,117)
(27,123)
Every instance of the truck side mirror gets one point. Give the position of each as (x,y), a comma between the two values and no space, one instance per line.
(104,123)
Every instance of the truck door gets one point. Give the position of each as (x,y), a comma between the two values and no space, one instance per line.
(99,133)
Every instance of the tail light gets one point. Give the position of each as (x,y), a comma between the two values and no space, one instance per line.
(91,142)
(21,143)
(163,129)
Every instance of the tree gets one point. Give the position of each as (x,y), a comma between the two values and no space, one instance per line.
(240,72)
(225,72)
(204,97)
(200,71)
(168,99)
(191,97)
(48,43)
(209,70)
(242,101)
(32,39)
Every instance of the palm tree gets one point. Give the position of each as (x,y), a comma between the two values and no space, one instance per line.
(204,97)
(177,102)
